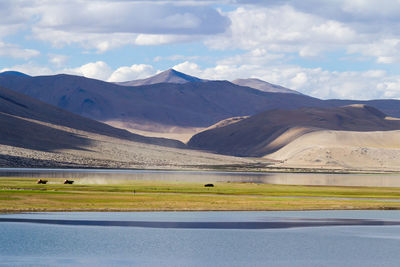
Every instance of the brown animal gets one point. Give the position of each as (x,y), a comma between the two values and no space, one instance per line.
(208,185)
(40,181)
(68,182)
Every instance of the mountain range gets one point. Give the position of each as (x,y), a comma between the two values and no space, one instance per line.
(171,101)
(64,115)
(152,107)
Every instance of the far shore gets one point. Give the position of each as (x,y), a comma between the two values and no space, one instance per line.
(256,168)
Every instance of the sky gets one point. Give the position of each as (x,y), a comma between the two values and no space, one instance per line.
(326,49)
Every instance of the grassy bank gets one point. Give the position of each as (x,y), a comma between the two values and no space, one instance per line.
(23,194)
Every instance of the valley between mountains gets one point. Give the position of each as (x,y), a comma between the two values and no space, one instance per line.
(177,121)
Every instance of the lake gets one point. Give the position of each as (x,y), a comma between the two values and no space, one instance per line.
(102,176)
(312,238)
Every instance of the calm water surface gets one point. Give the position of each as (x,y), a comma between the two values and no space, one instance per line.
(115,176)
(47,239)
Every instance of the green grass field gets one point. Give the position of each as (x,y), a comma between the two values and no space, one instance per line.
(23,194)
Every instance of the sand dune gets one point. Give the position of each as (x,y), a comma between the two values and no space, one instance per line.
(342,149)
(182,134)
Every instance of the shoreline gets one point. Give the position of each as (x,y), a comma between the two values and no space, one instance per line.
(238,169)
(183,211)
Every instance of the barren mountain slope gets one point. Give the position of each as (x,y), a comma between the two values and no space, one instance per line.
(342,149)
(35,134)
(154,107)
(26,122)
(269,131)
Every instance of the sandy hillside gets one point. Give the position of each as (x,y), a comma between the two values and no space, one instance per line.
(182,134)
(269,131)
(342,149)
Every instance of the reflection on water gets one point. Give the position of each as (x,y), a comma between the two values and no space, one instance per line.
(281,223)
(351,244)
(110,176)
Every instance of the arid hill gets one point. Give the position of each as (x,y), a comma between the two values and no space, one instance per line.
(377,150)
(27,122)
(180,105)
(269,131)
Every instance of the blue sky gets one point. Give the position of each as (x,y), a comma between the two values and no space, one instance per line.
(327,49)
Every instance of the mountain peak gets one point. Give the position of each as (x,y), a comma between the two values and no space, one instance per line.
(168,76)
(264,86)
(15,73)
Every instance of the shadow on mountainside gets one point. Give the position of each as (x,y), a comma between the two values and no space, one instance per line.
(18,105)
(18,132)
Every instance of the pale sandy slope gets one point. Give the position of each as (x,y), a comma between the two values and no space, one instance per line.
(182,134)
(342,149)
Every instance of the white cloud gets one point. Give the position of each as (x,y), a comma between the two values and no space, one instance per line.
(96,70)
(386,51)
(104,25)
(105,42)
(14,13)
(130,17)
(15,51)
(300,80)
(57,60)
(258,56)
(100,42)
(281,29)
(340,10)
(189,68)
(315,28)
(316,82)
(372,10)
(159,39)
(174,58)
(134,72)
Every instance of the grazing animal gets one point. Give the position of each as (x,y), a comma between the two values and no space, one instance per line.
(68,182)
(208,185)
(40,181)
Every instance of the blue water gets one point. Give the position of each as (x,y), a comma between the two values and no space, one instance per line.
(37,244)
